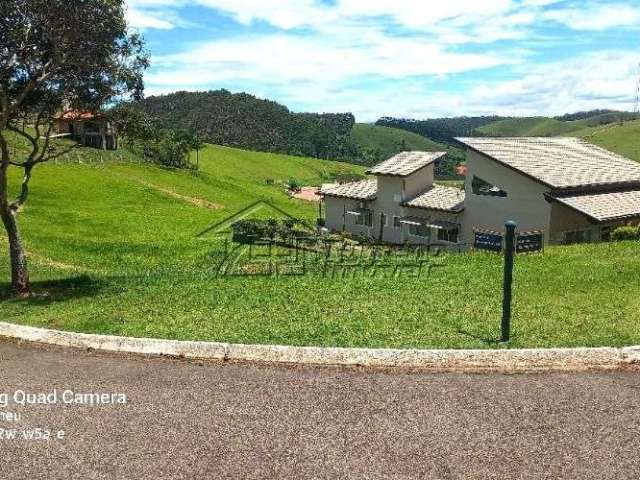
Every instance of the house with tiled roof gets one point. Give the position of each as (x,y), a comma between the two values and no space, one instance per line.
(565,188)
(401,205)
(90,129)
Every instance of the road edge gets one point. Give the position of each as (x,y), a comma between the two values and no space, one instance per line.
(556,359)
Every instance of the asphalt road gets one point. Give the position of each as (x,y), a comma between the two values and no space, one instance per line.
(210,421)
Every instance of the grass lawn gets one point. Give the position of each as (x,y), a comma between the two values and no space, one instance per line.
(113,249)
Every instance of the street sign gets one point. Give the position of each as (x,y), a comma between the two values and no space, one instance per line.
(488,241)
(530,242)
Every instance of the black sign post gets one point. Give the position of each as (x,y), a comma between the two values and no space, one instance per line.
(509,252)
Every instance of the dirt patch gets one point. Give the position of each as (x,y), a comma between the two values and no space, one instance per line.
(198,202)
(308,194)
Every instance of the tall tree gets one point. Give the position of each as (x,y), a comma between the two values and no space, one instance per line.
(56,56)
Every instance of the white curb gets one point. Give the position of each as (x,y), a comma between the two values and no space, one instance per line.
(569,359)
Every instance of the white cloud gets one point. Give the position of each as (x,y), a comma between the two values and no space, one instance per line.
(376,57)
(596,16)
(145,20)
(286,14)
(286,58)
(599,80)
(154,14)
(425,14)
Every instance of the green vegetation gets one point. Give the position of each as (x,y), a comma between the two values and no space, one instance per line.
(379,143)
(443,130)
(623,139)
(549,127)
(627,232)
(376,144)
(247,122)
(119,254)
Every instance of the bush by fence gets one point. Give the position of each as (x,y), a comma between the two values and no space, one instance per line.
(626,233)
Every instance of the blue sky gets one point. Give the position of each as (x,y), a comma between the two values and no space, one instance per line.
(409,58)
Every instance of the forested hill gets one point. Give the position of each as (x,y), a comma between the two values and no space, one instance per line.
(444,130)
(247,122)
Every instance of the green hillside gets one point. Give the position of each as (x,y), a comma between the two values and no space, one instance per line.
(94,208)
(623,139)
(389,141)
(113,247)
(549,127)
(378,143)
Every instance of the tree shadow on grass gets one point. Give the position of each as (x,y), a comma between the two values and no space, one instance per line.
(57,290)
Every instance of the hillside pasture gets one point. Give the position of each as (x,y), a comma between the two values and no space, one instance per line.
(111,252)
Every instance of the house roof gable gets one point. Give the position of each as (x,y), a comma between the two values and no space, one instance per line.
(559,162)
(406,163)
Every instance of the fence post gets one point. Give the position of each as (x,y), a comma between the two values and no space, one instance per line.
(509,252)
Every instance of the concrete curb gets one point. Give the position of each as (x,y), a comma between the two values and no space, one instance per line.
(570,359)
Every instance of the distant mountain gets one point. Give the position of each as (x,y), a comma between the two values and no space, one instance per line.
(247,122)
(442,130)
(571,124)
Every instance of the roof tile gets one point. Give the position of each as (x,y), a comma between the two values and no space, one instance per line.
(364,190)
(448,199)
(608,206)
(406,163)
(559,162)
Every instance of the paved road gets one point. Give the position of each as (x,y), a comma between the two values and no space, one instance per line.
(185,420)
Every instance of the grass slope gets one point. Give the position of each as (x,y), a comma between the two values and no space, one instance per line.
(548,127)
(623,139)
(390,141)
(385,142)
(115,253)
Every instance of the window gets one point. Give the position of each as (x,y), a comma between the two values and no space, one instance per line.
(481,187)
(383,220)
(420,231)
(396,222)
(449,235)
(365,218)
(576,236)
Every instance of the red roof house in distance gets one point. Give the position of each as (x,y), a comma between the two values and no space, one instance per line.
(90,129)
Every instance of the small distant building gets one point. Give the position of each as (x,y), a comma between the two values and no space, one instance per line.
(92,130)
(461,170)
(565,188)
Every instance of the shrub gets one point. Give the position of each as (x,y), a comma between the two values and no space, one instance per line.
(626,233)
(294,185)
(249,231)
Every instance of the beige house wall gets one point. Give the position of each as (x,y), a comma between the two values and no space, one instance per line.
(563,220)
(525,202)
(334,215)
(418,182)
(390,196)
(429,215)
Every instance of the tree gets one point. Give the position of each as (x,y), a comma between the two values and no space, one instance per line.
(56,56)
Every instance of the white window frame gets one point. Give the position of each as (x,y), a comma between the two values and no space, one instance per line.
(365,218)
